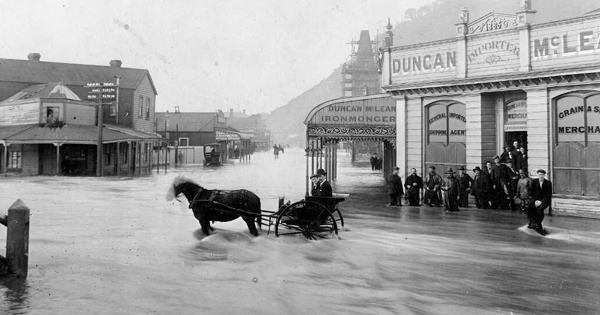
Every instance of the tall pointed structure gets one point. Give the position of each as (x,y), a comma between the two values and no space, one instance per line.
(359,75)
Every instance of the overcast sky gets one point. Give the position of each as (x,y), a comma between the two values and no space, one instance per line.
(203,55)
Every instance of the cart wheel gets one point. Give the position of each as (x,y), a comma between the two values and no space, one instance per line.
(307,218)
(341,219)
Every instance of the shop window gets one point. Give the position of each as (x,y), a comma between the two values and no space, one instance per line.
(141,107)
(14,160)
(577,144)
(446,123)
(148,108)
(184,142)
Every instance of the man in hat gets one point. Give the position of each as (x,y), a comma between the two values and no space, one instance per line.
(521,159)
(464,187)
(480,188)
(324,185)
(500,178)
(541,197)
(314,178)
(413,184)
(506,154)
(373,160)
(490,199)
(433,183)
(524,190)
(451,191)
(395,190)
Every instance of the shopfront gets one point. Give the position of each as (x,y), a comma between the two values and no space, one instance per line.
(460,101)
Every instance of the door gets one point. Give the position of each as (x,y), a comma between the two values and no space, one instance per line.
(445,135)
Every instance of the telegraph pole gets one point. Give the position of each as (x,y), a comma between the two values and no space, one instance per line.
(101,92)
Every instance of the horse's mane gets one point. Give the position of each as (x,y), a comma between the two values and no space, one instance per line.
(182,180)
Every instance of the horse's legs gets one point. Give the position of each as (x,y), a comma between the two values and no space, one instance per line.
(205,225)
(250,222)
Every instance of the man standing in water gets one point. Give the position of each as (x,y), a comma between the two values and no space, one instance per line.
(480,188)
(433,182)
(451,192)
(394,184)
(414,183)
(541,197)
(523,190)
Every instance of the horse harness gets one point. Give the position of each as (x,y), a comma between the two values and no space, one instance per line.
(210,199)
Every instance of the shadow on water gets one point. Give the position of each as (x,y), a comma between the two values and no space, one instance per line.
(16,294)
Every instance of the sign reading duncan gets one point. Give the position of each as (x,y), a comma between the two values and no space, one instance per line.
(428,62)
(357,114)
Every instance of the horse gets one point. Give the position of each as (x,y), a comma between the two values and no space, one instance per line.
(218,205)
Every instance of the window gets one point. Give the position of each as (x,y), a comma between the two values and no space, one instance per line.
(576,144)
(141,108)
(184,142)
(113,110)
(52,114)
(14,159)
(148,108)
(446,123)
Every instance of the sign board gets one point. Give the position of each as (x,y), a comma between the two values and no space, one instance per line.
(515,115)
(431,62)
(491,55)
(226,136)
(492,22)
(371,111)
(447,123)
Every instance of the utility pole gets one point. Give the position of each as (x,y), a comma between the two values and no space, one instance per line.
(101,92)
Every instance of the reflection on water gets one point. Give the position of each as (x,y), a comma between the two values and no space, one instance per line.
(115,246)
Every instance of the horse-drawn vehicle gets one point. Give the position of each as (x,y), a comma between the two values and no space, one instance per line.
(213,155)
(313,217)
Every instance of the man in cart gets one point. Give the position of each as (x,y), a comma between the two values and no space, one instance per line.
(324,189)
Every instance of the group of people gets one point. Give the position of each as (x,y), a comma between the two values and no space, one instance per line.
(320,185)
(501,184)
(375,162)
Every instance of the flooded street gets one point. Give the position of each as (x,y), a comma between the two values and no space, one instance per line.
(116,246)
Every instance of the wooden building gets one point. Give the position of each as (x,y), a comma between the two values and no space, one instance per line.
(504,78)
(46,129)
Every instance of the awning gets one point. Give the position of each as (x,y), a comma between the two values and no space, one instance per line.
(77,134)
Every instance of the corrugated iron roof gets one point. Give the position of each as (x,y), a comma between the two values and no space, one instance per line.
(193,122)
(48,90)
(82,134)
(39,72)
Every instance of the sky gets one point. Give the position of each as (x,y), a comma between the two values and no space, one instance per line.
(203,55)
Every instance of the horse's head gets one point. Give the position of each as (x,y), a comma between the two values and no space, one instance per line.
(182,185)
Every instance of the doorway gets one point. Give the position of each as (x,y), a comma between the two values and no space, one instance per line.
(512,136)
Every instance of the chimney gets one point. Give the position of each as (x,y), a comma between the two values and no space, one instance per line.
(33,57)
(116,63)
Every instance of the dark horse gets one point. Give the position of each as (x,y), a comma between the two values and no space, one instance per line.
(216,205)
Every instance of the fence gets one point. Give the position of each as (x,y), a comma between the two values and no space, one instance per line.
(17,240)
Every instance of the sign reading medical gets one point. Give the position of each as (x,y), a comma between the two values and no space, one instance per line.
(375,111)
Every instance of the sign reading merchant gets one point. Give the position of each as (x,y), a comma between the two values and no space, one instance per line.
(515,115)
(374,111)
(578,119)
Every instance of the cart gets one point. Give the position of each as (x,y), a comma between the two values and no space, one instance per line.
(213,155)
(313,217)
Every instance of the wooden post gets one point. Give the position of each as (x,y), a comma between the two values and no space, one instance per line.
(118,159)
(17,238)
(129,159)
(5,162)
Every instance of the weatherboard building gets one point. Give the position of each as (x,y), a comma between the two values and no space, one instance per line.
(504,78)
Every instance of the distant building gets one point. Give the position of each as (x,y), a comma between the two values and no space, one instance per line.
(48,127)
(360,75)
(254,126)
(189,128)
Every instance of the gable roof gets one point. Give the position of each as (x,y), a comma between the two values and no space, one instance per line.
(48,90)
(181,121)
(38,72)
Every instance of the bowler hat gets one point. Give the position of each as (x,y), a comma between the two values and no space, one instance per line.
(321,172)
(477,168)
(540,171)
(461,168)
(396,168)
(313,176)
(450,171)
(496,157)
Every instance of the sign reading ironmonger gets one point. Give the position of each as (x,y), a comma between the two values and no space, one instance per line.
(355,113)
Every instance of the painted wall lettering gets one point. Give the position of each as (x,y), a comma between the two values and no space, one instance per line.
(424,63)
(566,45)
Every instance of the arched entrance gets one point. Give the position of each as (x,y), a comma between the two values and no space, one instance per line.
(366,118)
(445,135)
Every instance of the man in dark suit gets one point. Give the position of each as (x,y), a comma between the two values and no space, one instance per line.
(324,189)
(395,190)
(314,178)
(414,184)
(541,197)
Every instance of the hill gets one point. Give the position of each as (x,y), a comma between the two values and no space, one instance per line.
(287,122)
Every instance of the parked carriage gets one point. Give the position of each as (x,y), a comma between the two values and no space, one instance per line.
(213,155)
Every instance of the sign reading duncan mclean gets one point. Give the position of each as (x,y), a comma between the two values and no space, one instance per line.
(376,112)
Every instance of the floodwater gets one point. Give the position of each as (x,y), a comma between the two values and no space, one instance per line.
(116,246)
